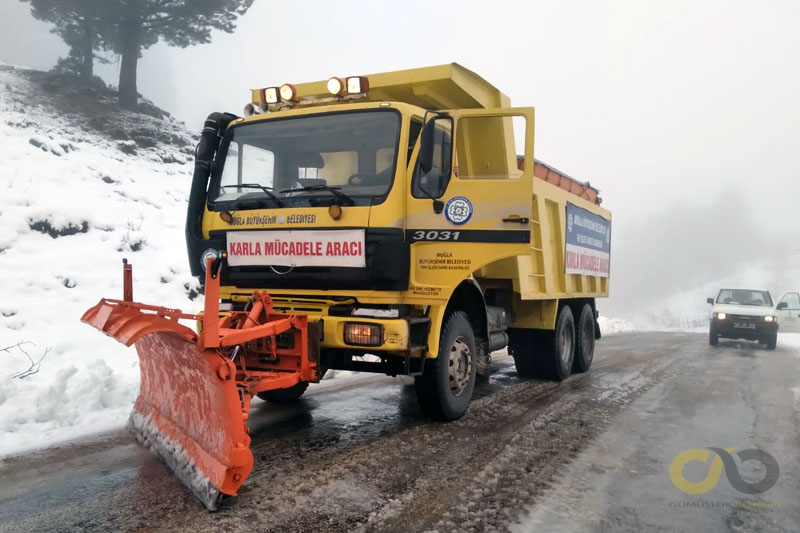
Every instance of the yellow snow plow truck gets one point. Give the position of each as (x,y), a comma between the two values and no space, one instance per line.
(398,215)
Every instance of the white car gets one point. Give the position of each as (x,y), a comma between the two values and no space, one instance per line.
(743,314)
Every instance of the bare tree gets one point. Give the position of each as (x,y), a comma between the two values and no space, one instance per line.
(34,366)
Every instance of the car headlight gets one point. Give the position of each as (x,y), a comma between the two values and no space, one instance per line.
(770,318)
(721,316)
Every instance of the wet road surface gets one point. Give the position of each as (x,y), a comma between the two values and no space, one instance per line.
(591,454)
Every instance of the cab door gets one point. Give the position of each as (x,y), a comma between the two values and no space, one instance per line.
(470,205)
(789,314)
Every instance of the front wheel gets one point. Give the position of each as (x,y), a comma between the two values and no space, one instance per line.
(772,341)
(445,388)
(713,338)
(282,396)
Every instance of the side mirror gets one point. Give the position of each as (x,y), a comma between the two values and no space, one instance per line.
(710,300)
(427,143)
(433,171)
(782,305)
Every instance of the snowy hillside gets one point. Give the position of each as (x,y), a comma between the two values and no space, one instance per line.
(81,186)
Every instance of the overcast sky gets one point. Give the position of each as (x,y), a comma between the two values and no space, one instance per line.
(686,114)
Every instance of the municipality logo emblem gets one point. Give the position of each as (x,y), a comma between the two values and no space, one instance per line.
(208,254)
(458,210)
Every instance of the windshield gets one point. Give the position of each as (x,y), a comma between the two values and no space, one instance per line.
(744,297)
(272,162)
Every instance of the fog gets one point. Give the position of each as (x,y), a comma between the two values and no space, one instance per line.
(684,114)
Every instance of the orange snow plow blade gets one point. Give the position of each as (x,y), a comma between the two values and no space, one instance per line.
(195,389)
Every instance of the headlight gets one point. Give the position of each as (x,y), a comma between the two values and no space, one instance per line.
(721,316)
(769,318)
(363,334)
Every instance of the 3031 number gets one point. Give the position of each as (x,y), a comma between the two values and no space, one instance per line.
(435,235)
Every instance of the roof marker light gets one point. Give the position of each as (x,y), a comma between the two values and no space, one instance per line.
(336,86)
(288,92)
(357,84)
(270,95)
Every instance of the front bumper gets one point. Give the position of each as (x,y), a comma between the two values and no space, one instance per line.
(400,335)
(731,328)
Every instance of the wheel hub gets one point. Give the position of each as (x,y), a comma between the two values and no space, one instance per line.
(459,366)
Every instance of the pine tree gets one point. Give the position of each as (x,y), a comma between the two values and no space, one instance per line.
(79,23)
(135,25)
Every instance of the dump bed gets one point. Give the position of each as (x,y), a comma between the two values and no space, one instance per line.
(569,248)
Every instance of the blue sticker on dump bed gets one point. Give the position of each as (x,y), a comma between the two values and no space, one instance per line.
(458,210)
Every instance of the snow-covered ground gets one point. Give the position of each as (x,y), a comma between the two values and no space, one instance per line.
(72,205)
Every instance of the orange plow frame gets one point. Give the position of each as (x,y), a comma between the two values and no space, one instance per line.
(196,388)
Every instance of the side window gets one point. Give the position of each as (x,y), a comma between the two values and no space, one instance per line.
(792,300)
(487,147)
(413,133)
(305,173)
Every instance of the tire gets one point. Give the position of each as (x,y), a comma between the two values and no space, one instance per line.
(713,338)
(284,396)
(560,345)
(521,346)
(445,388)
(584,340)
(772,341)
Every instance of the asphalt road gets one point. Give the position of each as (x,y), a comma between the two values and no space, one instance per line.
(592,453)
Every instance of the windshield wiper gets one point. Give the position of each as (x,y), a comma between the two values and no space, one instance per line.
(320,187)
(266,190)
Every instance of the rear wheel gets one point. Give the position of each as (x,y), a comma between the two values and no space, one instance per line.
(445,388)
(713,338)
(584,346)
(772,341)
(282,396)
(521,346)
(560,345)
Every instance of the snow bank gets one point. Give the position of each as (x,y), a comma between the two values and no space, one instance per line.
(610,326)
(72,205)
